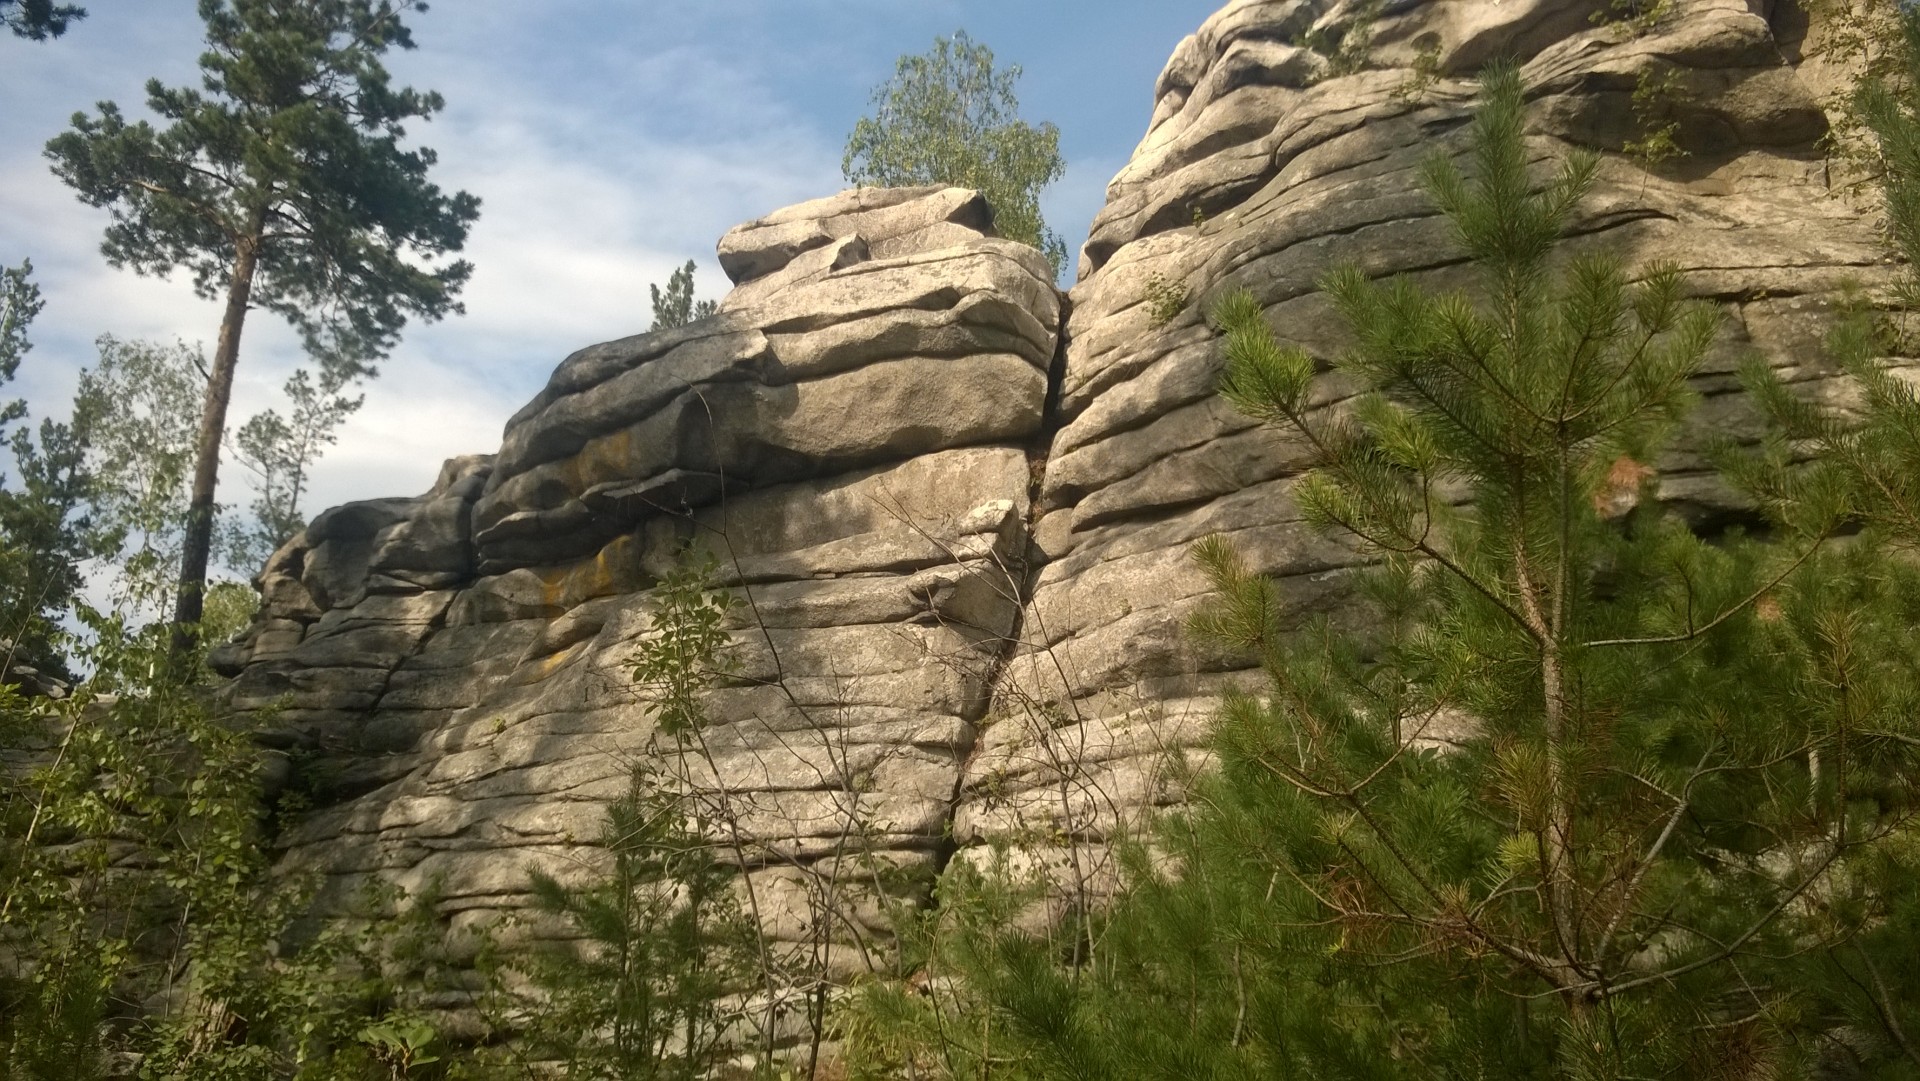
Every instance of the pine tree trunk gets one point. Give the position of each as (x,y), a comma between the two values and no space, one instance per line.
(1562,890)
(198,543)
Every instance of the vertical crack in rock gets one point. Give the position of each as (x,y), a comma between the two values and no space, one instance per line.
(1262,169)
(962,502)
(1032,559)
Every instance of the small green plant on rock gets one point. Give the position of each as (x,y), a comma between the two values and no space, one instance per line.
(1166,299)
(1655,92)
(1346,45)
(654,944)
(1424,74)
(1869,39)
(1637,17)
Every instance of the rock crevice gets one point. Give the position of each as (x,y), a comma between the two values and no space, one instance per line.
(851,440)
(958,504)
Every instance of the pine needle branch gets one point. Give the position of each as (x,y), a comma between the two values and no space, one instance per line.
(1693,632)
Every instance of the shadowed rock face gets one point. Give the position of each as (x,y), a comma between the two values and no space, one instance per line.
(968,579)
(849,438)
(1262,170)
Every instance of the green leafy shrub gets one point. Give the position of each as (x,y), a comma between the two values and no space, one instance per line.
(1166,299)
(138,919)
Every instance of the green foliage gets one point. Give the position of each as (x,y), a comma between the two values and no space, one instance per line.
(947,117)
(1869,40)
(656,941)
(38,20)
(1655,90)
(49,535)
(130,841)
(1424,75)
(137,408)
(1347,43)
(280,452)
(676,307)
(1166,298)
(281,183)
(925,1022)
(45,531)
(111,484)
(686,651)
(230,608)
(1865,462)
(1637,17)
(404,1044)
(19,303)
(1887,106)
(1586,796)
(263,1000)
(291,149)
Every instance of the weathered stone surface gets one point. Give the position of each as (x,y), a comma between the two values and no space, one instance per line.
(835,367)
(1260,171)
(26,680)
(961,550)
(888,221)
(848,440)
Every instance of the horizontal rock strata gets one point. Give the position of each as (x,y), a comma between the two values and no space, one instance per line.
(847,440)
(959,536)
(1266,165)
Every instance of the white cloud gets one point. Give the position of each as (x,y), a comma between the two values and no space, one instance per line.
(587,198)
(424,413)
(609,141)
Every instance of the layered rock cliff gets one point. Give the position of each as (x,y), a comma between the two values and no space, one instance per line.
(1266,165)
(849,439)
(959,515)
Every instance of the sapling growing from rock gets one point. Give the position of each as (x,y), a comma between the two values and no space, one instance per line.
(659,937)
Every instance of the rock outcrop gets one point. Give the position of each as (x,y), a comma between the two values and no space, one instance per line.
(26,680)
(848,438)
(961,529)
(1264,167)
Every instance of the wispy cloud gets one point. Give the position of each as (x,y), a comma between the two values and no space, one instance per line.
(610,141)
(585,203)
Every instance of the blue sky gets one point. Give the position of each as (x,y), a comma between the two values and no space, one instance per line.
(608,140)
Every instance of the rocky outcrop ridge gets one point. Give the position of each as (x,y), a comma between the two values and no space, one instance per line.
(848,439)
(1266,165)
(962,533)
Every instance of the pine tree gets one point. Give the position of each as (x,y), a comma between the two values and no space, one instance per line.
(1591,797)
(675,306)
(38,20)
(281,185)
(44,530)
(48,535)
(19,303)
(1869,978)
(659,938)
(1880,453)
